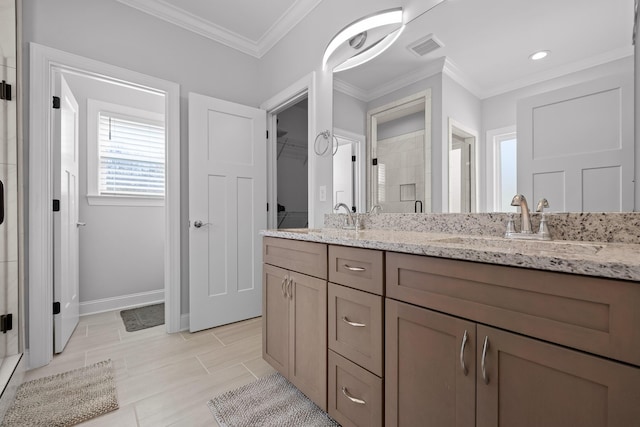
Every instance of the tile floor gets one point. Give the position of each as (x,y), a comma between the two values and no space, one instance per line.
(163,379)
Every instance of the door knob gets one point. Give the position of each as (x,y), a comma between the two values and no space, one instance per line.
(198,224)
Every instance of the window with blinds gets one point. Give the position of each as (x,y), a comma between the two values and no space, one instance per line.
(131,157)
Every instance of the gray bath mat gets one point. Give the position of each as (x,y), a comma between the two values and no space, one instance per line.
(269,401)
(145,317)
(64,399)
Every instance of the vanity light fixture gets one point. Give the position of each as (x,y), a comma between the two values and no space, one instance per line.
(379,19)
(539,55)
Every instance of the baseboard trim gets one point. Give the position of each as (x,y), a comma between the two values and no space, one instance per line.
(121,302)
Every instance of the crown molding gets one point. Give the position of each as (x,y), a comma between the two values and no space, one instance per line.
(167,12)
(433,68)
(574,67)
(292,17)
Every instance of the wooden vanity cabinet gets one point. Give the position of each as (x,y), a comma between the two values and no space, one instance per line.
(411,340)
(515,380)
(294,334)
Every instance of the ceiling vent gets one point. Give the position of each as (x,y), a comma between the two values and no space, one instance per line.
(425,45)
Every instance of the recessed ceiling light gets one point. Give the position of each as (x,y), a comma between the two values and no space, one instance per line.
(539,55)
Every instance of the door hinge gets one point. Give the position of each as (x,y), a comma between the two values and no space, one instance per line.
(56,307)
(6,323)
(374,162)
(56,205)
(267,207)
(56,102)
(5,91)
(353,158)
(267,134)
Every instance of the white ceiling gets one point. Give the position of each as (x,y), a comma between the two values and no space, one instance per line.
(486,42)
(250,26)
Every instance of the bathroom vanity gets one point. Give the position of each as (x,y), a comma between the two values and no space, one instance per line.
(409,328)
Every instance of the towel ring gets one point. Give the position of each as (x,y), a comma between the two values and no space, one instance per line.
(326,135)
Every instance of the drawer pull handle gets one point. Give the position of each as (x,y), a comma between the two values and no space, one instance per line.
(354,324)
(485,346)
(465,371)
(351,398)
(348,267)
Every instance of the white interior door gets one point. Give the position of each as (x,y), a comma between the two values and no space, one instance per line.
(576,146)
(227,208)
(65,232)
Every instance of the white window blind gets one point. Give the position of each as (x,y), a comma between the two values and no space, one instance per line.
(131,157)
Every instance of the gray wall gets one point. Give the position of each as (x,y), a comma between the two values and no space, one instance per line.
(465,108)
(111,32)
(349,113)
(129,238)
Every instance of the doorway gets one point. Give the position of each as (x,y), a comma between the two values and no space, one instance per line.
(462,168)
(121,186)
(44,62)
(292,166)
(303,89)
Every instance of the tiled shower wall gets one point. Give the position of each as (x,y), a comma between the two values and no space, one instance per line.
(402,173)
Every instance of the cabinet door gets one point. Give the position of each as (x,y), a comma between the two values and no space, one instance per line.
(534,383)
(275,318)
(308,337)
(430,374)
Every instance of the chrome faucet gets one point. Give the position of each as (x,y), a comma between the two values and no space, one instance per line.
(525,230)
(519,200)
(351,223)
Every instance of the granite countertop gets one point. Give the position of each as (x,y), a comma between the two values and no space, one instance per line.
(601,259)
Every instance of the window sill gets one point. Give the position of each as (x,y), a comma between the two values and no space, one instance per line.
(94,200)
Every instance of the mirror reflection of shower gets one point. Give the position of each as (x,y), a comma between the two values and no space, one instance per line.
(400,155)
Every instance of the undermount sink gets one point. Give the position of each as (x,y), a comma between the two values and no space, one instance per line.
(558,246)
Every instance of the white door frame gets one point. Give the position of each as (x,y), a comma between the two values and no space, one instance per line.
(274,105)
(43,61)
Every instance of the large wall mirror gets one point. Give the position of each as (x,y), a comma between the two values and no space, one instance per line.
(497,120)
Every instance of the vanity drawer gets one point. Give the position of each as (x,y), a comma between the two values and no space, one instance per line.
(355,394)
(356,326)
(588,313)
(304,257)
(357,268)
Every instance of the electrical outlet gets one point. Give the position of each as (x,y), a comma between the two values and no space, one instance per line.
(323,193)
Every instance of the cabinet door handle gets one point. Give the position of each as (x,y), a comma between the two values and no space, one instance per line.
(284,281)
(351,398)
(290,288)
(485,346)
(348,267)
(465,371)
(354,324)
